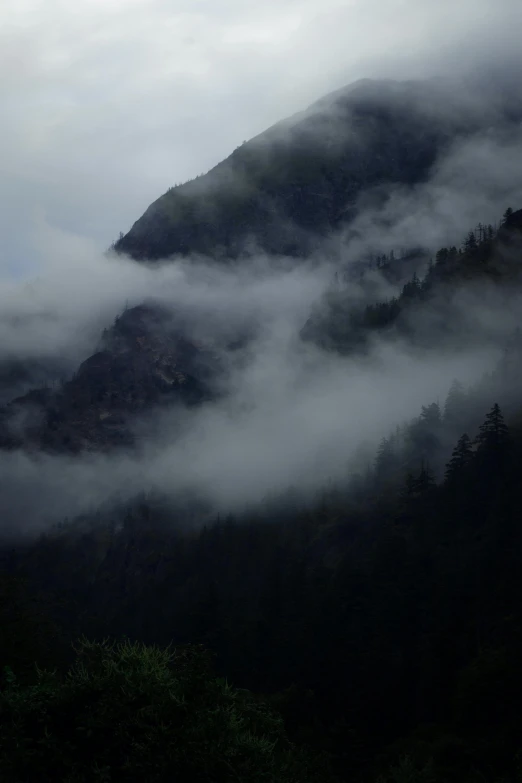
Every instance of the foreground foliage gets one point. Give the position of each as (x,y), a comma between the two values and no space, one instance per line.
(128,712)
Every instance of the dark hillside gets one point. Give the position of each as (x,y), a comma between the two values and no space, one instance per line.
(143,361)
(301,179)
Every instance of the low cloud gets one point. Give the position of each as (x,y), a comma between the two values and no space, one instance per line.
(291,415)
(474,181)
(288,423)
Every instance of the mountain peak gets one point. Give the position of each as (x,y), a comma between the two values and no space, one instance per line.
(302,178)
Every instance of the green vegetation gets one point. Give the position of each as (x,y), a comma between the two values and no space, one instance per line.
(127,712)
(383,626)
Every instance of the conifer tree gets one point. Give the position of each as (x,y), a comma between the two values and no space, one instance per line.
(507,214)
(493,433)
(408,489)
(470,242)
(424,481)
(454,407)
(460,458)
(384,460)
(430,414)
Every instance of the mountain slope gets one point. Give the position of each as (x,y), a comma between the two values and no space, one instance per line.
(143,361)
(301,178)
(149,358)
(430,310)
(284,190)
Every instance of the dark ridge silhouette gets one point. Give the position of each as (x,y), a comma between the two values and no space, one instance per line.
(300,180)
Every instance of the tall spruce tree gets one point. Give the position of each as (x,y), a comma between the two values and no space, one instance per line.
(384,460)
(455,405)
(425,480)
(493,433)
(460,458)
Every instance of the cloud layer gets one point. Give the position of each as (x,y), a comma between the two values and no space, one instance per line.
(292,415)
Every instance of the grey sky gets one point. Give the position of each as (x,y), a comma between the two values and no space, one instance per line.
(106,103)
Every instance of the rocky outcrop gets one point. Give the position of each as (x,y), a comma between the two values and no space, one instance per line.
(143,362)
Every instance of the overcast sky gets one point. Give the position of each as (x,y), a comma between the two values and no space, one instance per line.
(106,103)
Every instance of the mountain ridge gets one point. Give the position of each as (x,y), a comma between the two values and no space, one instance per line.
(147,360)
(301,179)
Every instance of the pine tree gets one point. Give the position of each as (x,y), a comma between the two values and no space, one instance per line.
(409,488)
(460,458)
(423,440)
(470,242)
(507,214)
(455,405)
(412,288)
(385,459)
(424,481)
(431,414)
(493,433)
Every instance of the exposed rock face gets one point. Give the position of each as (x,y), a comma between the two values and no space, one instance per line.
(143,362)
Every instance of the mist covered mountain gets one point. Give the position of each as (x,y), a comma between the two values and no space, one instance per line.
(292,186)
(306,459)
(364,170)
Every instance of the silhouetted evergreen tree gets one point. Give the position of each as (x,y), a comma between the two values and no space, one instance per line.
(455,405)
(507,214)
(384,461)
(493,433)
(424,481)
(460,458)
(470,242)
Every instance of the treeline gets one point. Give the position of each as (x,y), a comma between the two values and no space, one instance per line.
(383,624)
(345,324)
